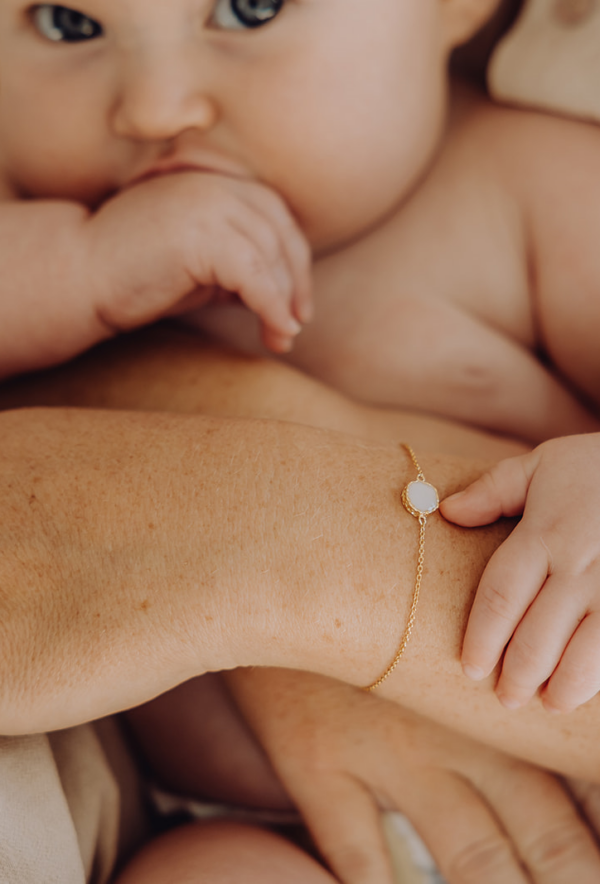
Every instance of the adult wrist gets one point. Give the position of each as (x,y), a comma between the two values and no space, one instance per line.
(352,551)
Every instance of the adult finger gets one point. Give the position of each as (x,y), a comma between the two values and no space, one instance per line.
(587,799)
(346,824)
(555,845)
(461,831)
(510,582)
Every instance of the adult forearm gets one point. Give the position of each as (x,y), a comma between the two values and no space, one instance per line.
(140,550)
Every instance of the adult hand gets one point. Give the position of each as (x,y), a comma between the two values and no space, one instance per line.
(587,798)
(345,756)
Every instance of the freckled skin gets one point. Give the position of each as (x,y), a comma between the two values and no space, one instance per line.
(432,683)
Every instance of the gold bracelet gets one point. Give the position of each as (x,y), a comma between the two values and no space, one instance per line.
(421,500)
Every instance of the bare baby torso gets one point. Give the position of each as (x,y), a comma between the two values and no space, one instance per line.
(479,299)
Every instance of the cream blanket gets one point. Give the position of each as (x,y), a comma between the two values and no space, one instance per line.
(550,59)
(59,809)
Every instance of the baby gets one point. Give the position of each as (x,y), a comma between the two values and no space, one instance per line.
(100,230)
(161,155)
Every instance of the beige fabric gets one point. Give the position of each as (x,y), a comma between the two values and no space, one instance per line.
(550,59)
(59,809)
(411,861)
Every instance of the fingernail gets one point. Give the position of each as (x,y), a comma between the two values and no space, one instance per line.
(473,672)
(293,326)
(455,496)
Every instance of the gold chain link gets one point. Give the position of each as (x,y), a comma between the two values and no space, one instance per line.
(422,517)
(413,457)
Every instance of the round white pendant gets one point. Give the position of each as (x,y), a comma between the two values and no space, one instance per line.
(420,498)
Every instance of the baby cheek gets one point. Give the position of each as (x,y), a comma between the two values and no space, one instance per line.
(44,170)
(335,208)
(55,151)
(349,174)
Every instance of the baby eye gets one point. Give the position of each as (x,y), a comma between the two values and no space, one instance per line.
(239,14)
(63,25)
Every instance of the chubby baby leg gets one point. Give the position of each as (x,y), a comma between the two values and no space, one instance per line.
(222,853)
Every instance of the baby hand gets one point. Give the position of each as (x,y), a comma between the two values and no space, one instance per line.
(539,597)
(173,243)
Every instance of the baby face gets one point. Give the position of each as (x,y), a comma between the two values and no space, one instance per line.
(336,104)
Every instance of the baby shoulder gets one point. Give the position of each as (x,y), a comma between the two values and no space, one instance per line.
(535,152)
(555,169)
(545,167)
(548,170)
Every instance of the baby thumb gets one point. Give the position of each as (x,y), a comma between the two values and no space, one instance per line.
(501,491)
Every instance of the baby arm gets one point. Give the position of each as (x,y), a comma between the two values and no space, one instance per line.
(539,597)
(73,278)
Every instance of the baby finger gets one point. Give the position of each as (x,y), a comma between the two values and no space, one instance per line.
(502,491)
(539,641)
(577,677)
(299,258)
(261,281)
(510,582)
(294,246)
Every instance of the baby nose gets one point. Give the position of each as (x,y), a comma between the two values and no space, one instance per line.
(158,100)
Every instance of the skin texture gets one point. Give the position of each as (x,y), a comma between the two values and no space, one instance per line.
(135,466)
